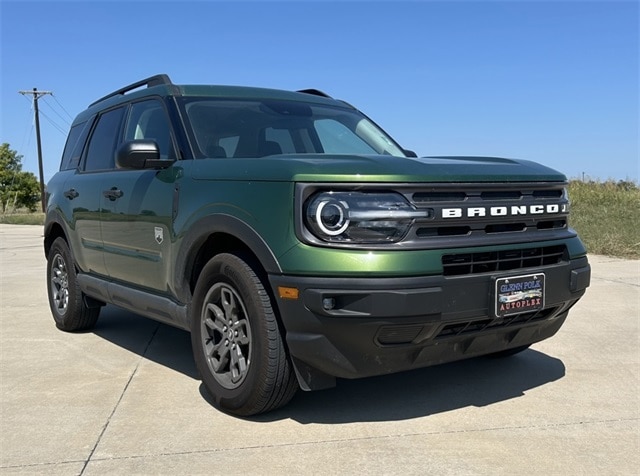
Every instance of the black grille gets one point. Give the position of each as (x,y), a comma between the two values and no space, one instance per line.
(506,260)
(426,198)
(502,195)
(470,214)
(476,194)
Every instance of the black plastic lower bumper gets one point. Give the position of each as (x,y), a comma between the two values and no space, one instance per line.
(358,327)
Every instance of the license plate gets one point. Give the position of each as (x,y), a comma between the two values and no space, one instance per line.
(518,294)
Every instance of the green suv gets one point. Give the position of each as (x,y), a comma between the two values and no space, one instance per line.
(298,242)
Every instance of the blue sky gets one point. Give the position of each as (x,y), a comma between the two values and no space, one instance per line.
(553,82)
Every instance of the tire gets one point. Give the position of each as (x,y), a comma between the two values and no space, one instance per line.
(236,342)
(66,300)
(509,352)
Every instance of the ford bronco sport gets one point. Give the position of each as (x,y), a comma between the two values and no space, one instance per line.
(298,242)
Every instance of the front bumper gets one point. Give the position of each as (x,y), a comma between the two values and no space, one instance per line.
(359,327)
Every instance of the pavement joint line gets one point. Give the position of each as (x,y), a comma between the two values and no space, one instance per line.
(41,465)
(115,408)
(307,443)
(340,440)
(610,259)
(26,247)
(615,281)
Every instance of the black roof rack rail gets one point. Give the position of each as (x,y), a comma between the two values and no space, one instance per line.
(156,80)
(315,92)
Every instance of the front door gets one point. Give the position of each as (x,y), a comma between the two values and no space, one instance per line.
(137,206)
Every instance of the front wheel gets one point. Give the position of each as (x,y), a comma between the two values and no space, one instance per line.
(236,342)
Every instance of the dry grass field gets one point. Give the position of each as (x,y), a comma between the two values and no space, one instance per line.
(607,217)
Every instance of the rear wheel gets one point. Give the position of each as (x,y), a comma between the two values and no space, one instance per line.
(236,342)
(66,300)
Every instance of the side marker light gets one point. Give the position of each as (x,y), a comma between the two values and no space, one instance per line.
(288,293)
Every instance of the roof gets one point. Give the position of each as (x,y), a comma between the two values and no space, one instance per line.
(161,85)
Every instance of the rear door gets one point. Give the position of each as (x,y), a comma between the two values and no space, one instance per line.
(82,192)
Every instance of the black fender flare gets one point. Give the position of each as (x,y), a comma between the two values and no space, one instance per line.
(53,217)
(200,231)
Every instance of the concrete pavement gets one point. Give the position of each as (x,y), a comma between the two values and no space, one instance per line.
(125,398)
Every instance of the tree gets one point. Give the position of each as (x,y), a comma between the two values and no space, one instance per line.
(18,189)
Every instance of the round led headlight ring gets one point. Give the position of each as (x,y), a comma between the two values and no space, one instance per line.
(332,217)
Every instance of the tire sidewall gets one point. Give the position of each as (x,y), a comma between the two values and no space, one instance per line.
(230,270)
(59,247)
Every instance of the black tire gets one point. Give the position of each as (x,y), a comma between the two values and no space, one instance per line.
(509,352)
(236,342)
(66,301)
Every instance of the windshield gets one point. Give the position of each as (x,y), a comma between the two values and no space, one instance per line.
(255,128)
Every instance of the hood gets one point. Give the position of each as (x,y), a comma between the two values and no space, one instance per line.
(374,168)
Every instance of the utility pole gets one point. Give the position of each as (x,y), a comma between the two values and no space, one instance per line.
(37,95)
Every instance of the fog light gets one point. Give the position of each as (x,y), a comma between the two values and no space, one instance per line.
(328,303)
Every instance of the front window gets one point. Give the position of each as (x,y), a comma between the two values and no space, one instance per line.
(101,151)
(148,120)
(253,128)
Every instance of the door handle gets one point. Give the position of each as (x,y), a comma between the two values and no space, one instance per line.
(71,193)
(113,193)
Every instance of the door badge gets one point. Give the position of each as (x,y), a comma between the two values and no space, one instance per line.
(159,233)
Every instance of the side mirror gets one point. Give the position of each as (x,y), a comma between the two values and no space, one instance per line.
(410,153)
(140,154)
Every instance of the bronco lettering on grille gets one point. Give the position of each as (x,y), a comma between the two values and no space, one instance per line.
(502,211)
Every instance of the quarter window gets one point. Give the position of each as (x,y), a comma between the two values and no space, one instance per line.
(74,146)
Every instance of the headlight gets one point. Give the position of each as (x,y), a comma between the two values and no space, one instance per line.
(331,216)
(357,217)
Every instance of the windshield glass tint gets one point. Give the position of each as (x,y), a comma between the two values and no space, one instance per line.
(235,128)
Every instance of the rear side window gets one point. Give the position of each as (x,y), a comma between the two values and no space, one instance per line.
(74,146)
(101,152)
(283,138)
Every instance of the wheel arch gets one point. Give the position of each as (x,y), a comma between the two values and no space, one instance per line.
(216,234)
(53,228)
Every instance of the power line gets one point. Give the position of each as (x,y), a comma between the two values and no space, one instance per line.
(56,126)
(27,132)
(37,95)
(66,121)
(61,106)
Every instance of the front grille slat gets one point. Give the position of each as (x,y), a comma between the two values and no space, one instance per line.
(507,260)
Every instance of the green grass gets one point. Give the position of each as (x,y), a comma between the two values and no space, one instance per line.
(605,214)
(23,219)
